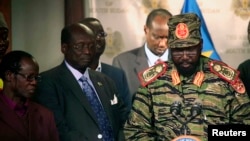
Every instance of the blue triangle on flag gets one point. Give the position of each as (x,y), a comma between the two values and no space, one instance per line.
(208,46)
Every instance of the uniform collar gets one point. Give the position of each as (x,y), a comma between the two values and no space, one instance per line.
(197,78)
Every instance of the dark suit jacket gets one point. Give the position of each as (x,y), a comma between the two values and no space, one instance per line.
(244,69)
(132,62)
(60,91)
(41,122)
(120,80)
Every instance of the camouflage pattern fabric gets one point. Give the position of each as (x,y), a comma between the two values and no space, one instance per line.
(151,119)
(184,30)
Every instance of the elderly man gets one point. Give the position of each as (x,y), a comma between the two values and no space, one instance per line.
(20,118)
(85,102)
(189,92)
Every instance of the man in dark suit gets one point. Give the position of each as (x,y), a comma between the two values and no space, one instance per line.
(4,42)
(114,73)
(155,48)
(61,90)
(3,36)
(20,118)
(244,67)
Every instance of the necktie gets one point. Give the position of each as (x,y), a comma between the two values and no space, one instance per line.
(158,61)
(103,121)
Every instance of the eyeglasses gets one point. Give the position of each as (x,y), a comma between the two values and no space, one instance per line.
(191,52)
(101,35)
(80,46)
(30,78)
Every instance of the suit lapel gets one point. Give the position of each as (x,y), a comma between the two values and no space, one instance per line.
(34,121)
(105,69)
(100,86)
(141,60)
(74,88)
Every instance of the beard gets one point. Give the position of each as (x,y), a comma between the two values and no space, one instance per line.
(187,71)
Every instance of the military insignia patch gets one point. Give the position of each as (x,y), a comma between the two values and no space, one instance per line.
(152,73)
(198,79)
(228,74)
(223,71)
(182,31)
(175,77)
(239,86)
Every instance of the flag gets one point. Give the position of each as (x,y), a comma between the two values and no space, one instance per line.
(208,47)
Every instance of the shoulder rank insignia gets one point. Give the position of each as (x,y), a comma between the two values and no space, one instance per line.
(228,74)
(152,73)
(175,77)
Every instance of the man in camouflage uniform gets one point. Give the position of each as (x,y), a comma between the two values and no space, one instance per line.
(186,94)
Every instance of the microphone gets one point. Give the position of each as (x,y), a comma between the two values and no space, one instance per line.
(175,108)
(196,109)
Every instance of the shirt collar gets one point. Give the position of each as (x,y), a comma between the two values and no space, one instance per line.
(152,58)
(19,109)
(75,72)
(99,67)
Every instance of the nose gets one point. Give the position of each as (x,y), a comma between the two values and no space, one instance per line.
(86,50)
(185,54)
(163,42)
(34,82)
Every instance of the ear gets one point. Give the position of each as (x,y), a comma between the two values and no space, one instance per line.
(9,76)
(145,29)
(64,48)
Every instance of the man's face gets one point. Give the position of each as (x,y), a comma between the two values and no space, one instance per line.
(157,35)
(4,43)
(80,51)
(24,82)
(186,59)
(100,38)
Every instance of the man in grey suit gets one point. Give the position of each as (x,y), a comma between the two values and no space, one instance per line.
(61,90)
(154,49)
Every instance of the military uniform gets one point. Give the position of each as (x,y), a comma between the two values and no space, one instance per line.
(168,104)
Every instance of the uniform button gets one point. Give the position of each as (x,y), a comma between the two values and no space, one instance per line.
(99,136)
